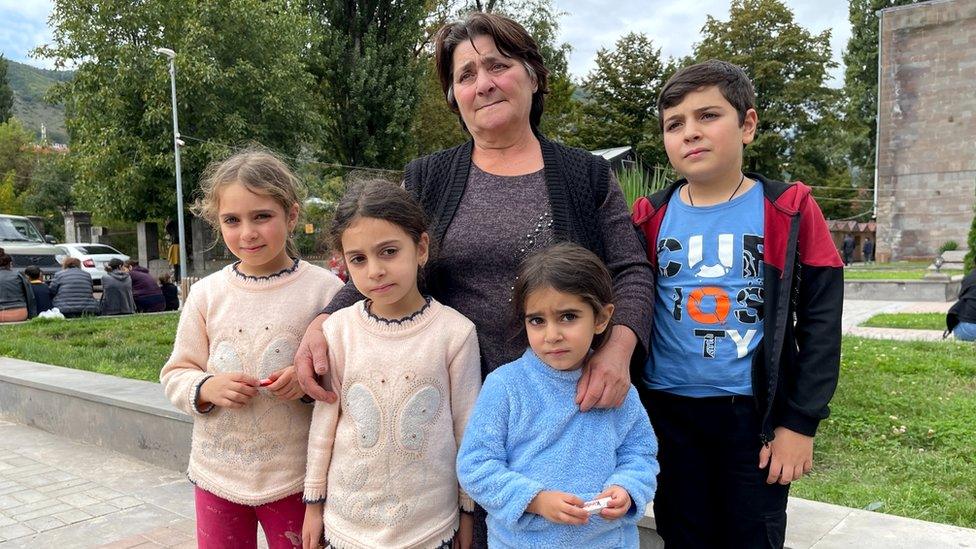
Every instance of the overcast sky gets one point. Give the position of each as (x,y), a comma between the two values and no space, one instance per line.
(588,25)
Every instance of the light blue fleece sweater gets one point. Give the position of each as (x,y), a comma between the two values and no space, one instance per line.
(526,434)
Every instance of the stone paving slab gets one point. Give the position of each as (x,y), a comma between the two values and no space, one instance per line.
(898,334)
(57,493)
(142,505)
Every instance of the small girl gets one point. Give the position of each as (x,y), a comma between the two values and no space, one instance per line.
(231,363)
(407,371)
(170,292)
(529,456)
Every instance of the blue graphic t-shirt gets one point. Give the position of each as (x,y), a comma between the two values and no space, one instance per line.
(708,310)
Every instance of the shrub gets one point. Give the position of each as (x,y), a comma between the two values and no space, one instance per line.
(635,181)
(948,246)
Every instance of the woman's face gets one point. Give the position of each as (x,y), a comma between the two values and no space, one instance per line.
(493,92)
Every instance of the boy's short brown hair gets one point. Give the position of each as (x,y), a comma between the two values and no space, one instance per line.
(731,80)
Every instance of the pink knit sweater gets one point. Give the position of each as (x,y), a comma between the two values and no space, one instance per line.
(230,323)
(382,458)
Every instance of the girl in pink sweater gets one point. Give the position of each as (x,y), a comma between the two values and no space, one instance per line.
(407,370)
(231,363)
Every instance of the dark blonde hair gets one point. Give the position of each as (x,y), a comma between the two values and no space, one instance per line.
(512,41)
(568,268)
(377,199)
(260,171)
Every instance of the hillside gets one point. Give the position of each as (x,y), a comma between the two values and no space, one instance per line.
(29,85)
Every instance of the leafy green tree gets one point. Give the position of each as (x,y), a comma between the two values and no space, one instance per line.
(241,76)
(435,126)
(621,103)
(16,155)
(819,158)
(541,20)
(368,78)
(788,66)
(6,93)
(51,189)
(861,86)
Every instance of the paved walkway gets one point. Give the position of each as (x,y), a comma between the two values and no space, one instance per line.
(57,493)
(857,312)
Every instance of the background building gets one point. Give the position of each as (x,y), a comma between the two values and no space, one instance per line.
(926,127)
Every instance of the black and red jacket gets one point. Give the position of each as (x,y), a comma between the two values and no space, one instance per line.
(795,370)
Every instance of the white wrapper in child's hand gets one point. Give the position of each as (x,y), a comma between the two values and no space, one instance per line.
(596,505)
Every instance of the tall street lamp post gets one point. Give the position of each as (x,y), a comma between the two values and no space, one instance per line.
(177,143)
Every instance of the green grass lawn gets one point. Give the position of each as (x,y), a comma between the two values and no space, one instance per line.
(854,273)
(901,436)
(133,346)
(910,321)
(894,270)
(901,432)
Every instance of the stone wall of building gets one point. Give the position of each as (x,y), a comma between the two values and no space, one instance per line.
(927,131)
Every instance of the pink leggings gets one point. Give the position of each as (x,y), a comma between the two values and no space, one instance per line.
(225,524)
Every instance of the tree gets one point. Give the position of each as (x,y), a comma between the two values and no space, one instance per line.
(6,93)
(541,20)
(861,86)
(241,76)
(16,155)
(819,158)
(621,103)
(435,126)
(788,66)
(368,78)
(51,188)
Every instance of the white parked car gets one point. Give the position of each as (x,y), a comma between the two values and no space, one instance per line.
(93,257)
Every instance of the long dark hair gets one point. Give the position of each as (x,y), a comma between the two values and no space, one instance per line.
(568,268)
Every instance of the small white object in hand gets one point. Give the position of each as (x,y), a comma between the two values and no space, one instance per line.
(595,506)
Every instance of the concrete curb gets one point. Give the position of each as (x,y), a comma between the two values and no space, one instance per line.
(126,415)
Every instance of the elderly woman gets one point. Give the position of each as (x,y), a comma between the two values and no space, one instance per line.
(16,295)
(72,290)
(501,196)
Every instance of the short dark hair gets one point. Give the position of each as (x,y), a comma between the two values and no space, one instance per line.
(568,268)
(377,199)
(5,260)
(131,263)
(165,278)
(33,272)
(730,79)
(71,263)
(512,41)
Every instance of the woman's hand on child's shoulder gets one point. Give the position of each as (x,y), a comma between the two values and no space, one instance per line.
(284,384)
(228,390)
(312,527)
(619,502)
(559,507)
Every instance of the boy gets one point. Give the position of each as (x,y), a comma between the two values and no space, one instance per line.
(745,349)
(42,293)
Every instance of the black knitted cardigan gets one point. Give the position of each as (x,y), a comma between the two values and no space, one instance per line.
(576,181)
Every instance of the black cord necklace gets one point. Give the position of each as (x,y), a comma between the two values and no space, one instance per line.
(691,201)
